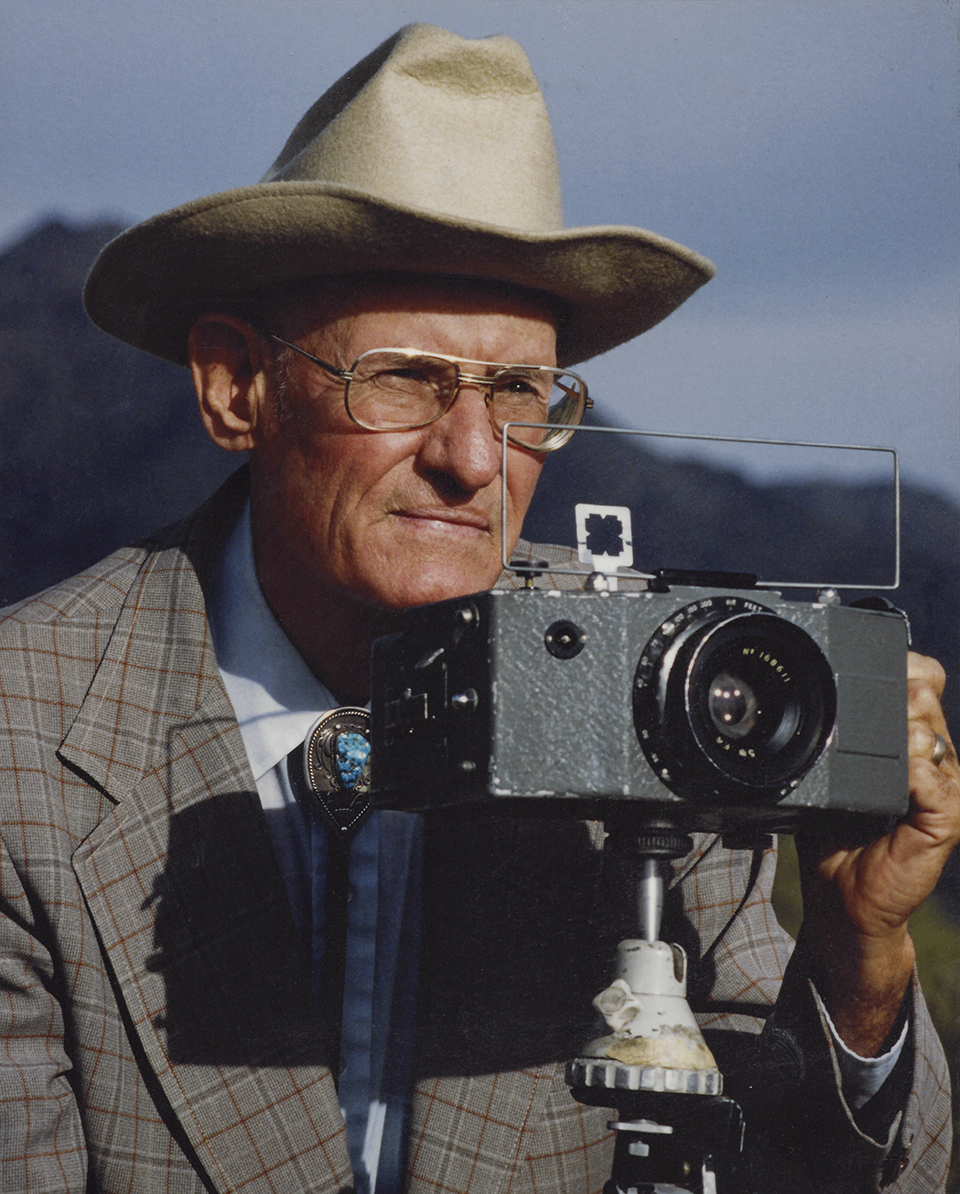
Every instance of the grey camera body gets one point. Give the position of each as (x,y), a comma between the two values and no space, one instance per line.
(713,707)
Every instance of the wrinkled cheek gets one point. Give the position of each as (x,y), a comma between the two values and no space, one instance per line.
(522,477)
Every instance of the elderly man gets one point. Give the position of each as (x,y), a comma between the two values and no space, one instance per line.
(185,925)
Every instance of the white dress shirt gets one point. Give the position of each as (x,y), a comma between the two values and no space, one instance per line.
(277,700)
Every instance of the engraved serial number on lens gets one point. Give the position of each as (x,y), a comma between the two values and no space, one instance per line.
(778,668)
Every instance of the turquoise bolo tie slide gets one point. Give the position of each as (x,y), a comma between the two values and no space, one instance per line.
(336,766)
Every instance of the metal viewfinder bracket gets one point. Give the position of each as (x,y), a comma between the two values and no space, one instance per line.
(598,532)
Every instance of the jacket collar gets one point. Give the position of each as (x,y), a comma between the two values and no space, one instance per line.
(138,696)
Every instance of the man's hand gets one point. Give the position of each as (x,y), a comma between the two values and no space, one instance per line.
(857,900)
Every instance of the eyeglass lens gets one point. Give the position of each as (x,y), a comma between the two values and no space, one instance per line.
(394,390)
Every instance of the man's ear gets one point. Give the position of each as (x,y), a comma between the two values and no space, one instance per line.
(226,362)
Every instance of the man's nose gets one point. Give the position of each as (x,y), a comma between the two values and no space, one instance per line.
(462,443)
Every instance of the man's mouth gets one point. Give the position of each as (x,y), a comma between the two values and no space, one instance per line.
(451,518)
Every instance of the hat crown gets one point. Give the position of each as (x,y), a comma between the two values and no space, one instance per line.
(433,155)
(437,122)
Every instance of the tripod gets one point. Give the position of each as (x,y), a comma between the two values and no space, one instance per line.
(675,1132)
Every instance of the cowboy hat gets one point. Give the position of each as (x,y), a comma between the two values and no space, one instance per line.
(433,155)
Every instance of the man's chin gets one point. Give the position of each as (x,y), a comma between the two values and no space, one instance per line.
(428,585)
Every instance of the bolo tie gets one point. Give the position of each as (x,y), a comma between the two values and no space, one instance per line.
(331,771)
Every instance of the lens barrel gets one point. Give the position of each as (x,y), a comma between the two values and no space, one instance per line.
(732,701)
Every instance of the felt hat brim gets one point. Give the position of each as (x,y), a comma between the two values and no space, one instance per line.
(151,282)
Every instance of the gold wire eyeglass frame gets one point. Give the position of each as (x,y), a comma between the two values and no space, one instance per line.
(582,401)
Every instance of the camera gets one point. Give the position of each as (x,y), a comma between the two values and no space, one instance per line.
(712,707)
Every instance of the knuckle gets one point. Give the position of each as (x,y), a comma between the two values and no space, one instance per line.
(926,669)
(920,737)
(923,699)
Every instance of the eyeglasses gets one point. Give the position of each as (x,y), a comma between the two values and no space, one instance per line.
(400,389)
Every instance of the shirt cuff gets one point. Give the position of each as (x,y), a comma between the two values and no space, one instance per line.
(861,1077)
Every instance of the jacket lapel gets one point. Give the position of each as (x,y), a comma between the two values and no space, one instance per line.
(189,906)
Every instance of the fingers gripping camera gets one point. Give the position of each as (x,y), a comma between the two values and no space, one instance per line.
(716,707)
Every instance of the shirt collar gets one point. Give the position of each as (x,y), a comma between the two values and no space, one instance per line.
(274,694)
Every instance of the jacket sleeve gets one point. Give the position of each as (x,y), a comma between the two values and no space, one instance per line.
(755,997)
(42,1145)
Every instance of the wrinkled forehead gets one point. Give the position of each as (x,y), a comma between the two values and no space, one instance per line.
(308,305)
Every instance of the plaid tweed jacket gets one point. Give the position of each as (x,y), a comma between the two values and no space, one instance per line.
(157,1029)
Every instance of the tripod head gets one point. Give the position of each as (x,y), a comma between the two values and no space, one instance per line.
(675,1131)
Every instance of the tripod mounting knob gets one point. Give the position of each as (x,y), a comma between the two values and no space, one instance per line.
(655,1042)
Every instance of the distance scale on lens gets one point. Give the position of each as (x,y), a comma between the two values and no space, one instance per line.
(732,701)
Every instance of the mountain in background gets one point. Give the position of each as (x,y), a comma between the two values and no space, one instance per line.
(100,443)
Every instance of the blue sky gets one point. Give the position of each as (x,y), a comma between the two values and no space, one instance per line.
(809,148)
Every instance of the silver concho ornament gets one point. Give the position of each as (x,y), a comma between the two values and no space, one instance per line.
(336,765)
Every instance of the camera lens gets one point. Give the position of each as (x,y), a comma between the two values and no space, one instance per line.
(732,705)
(780,702)
(732,701)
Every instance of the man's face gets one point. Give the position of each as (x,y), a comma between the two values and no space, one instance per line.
(393,519)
